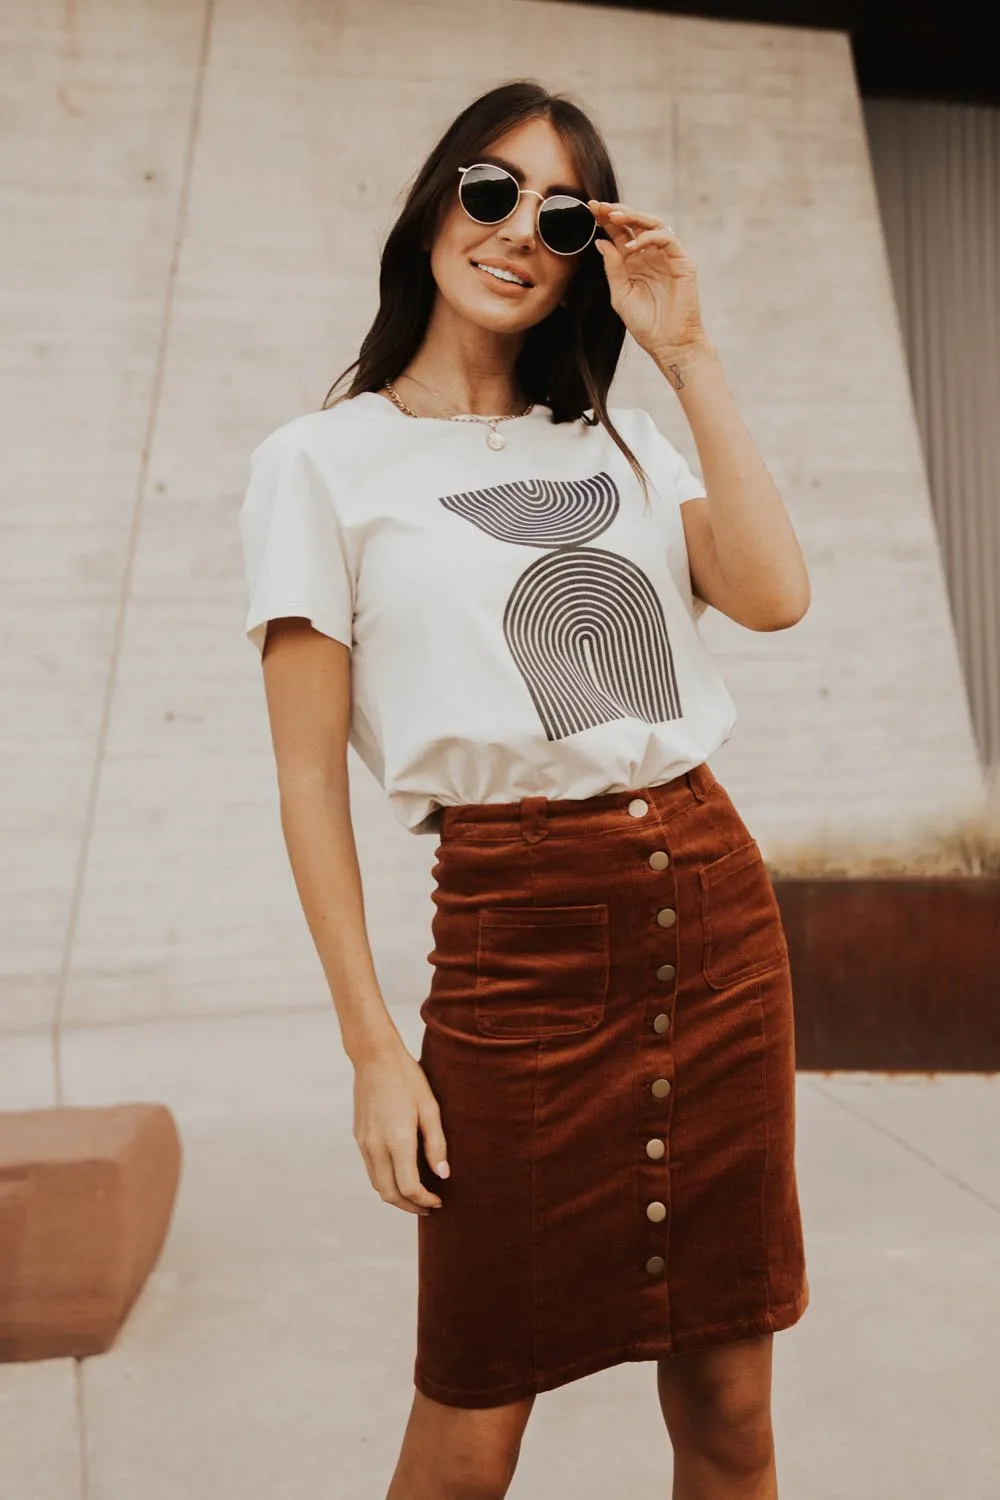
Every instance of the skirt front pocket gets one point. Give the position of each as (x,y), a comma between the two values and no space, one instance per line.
(541,971)
(741,920)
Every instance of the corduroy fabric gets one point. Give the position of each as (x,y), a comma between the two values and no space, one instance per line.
(539,1042)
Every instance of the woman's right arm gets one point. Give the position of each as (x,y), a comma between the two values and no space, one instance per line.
(307,684)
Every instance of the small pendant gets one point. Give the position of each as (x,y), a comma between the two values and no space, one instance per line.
(496,439)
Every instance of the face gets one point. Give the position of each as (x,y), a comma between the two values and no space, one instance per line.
(461,246)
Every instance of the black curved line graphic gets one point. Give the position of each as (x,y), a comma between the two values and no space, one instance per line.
(585,626)
(541,512)
(587,631)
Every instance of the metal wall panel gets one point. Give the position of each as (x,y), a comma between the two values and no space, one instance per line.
(937,169)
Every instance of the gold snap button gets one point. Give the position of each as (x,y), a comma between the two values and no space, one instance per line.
(661,1022)
(656,1211)
(638,808)
(659,860)
(667,917)
(655,1148)
(655,1264)
(666,971)
(660,1087)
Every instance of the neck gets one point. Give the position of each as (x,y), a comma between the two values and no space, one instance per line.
(471,369)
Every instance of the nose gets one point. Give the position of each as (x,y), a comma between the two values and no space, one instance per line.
(520,228)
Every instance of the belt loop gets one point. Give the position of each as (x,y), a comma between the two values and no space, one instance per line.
(534,823)
(446,816)
(701,780)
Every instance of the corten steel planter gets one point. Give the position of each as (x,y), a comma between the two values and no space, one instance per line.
(894,973)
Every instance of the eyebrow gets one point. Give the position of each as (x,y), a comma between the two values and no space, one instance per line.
(516,172)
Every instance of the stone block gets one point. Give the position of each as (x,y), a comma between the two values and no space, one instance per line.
(86,1196)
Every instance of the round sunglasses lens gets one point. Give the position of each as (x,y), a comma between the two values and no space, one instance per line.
(566,225)
(488,194)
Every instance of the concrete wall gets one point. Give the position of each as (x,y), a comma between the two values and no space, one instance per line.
(193,198)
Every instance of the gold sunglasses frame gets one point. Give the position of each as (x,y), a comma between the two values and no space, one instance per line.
(523,192)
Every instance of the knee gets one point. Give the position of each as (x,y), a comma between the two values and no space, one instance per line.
(471,1470)
(731,1427)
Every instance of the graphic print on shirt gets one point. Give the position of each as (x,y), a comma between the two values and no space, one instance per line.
(585,626)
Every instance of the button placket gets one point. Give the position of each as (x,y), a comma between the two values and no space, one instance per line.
(660,1086)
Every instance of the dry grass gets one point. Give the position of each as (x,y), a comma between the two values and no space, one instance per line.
(970,847)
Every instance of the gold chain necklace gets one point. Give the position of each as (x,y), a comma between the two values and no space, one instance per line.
(494,439)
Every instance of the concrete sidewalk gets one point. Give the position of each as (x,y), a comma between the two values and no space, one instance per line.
(270,1355)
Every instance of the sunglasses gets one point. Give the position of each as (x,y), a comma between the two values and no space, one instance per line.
(489,194)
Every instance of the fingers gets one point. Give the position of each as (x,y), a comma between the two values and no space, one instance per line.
(397,1125)
(411,1191)
(663,239)
(624,225)
(621,214)
(435,1147)
(622,222)
(392,1169)
(612,221)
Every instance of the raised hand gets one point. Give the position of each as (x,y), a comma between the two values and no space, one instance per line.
(653,283)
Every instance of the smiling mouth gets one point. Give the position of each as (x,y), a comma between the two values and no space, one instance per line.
(505,278)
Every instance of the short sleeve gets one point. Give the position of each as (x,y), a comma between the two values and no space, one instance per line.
(679,482)
(295,557)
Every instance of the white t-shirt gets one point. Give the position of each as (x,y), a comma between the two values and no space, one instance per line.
(520,623)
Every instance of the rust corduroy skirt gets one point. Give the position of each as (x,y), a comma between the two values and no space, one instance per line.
(609,1035)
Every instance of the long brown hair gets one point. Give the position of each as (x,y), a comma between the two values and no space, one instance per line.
(568,360)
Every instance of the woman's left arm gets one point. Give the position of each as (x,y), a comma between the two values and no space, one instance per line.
(743,554)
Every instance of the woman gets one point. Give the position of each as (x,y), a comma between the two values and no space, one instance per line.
(472,571)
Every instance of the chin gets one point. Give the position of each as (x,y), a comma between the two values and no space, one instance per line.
(497,318)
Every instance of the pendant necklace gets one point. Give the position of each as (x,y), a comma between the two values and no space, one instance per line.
(494,439)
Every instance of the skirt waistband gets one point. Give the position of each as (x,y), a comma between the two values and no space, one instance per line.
(532,818)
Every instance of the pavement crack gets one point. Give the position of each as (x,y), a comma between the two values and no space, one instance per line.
(928,1161)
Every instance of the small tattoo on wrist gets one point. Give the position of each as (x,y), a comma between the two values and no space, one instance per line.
(674,376)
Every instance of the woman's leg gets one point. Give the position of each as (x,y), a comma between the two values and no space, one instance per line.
(459,1453)
(717,1406)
